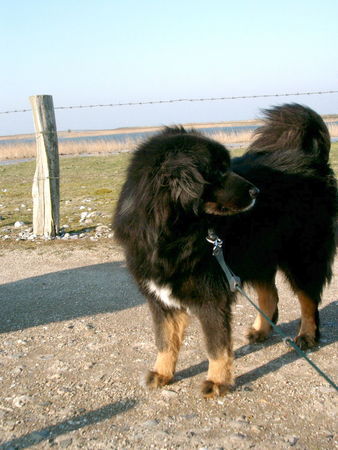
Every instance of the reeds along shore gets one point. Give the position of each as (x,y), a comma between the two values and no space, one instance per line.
(21,150)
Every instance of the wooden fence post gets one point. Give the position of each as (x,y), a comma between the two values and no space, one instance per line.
(46,183)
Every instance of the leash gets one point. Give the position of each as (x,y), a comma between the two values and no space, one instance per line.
(236,285)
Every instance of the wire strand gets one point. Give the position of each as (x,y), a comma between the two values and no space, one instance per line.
(178,100)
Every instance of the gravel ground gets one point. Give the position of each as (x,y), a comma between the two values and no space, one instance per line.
(76,339)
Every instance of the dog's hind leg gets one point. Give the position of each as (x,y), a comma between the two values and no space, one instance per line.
(307,286)
(308,267)
(216,325)
(308,334)
(307,281)
(268,303)
(169,330)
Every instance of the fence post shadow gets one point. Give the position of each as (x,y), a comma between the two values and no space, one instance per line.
(75,423)
(67,295)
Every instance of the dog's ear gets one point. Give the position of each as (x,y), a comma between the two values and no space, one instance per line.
(185,182)
(187,188)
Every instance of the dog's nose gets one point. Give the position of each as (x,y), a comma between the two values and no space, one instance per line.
(253,192)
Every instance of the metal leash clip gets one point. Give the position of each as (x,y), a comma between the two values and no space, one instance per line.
(288,341)
(215,241)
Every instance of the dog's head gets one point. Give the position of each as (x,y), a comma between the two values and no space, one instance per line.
(197,175)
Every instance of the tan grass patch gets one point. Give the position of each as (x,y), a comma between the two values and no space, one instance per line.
(333,129)
(24,150)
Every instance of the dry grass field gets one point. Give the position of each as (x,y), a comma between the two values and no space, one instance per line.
(16,149)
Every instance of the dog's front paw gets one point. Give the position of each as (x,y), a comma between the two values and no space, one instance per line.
(155,380)
(211,389)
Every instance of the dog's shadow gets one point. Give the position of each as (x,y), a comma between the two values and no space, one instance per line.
(329,319)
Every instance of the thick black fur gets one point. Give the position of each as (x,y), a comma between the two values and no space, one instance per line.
(180,184)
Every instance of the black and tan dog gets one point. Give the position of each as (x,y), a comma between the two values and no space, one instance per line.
(274,208)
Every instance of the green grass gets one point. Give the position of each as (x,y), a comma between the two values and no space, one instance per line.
(334,157)
(90,182)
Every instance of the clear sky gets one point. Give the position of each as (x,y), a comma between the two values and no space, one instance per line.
(89,52)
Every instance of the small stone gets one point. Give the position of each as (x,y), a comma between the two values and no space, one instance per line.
(102,229)
(238,424)
(90,365)
(17,355)
(190,433)
(84,215)
(46,357)
(292,440)
(189,416)
(169,394)
(55,376)
(17,370)
(235,437)
(65,443)
(19,224)
(45,404)
(9,425)
(20,401)
(38,436)
(151,423)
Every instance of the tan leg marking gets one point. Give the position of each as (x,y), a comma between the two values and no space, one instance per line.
(267,301)
(307,333)
(164,368)
(219,379)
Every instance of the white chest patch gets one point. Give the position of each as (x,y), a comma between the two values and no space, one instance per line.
(164,294)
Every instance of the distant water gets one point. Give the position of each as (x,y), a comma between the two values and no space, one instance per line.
(134,136)
(9,162)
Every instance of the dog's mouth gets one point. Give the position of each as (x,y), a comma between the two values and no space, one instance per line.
(229,210)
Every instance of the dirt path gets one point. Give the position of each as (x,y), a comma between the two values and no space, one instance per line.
(76,338)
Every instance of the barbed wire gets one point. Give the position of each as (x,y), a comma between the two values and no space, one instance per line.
(178,100)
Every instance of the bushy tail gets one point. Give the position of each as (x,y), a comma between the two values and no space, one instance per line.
(292,126)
